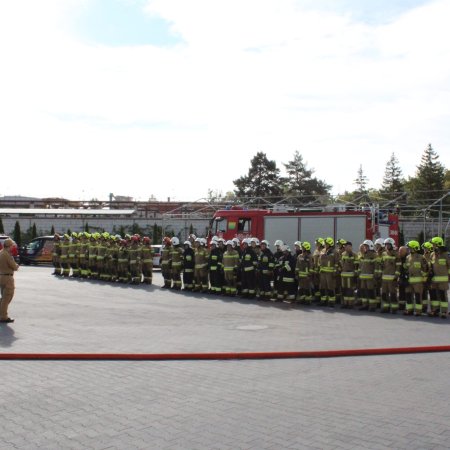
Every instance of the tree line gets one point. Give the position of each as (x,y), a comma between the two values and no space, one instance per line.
(264,180)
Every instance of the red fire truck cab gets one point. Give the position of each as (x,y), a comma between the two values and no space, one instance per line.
(354,226)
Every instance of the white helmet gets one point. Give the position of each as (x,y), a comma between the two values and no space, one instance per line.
(389,241)
(215,238)
(236,240)
(213,243)
(380,241)
(203,241)
(246,241)
(266,243)
(278,242)
(188,243)
(298,243)
(285,248)
(175,241)
(221,240)
(369,243)
(230,243)
(255,240)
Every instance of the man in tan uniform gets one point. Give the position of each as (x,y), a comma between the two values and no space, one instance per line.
(7,268)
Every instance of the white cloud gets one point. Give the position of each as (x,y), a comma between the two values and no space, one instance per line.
(249,76)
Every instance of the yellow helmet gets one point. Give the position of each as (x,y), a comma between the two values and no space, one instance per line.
(438,241)
(329,241)
(306,246)
(413,245)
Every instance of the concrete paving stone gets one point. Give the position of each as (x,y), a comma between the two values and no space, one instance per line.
(371,402)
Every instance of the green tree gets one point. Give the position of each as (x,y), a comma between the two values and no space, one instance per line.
(393,182)
(300,182)
(263,179)
(52,231)
(86,227)
(33,231)
(122,231)
(361,182)
(17,235)
(2,230)
(136,229)
(429,181)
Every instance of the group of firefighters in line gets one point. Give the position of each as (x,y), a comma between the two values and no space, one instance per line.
(413,279)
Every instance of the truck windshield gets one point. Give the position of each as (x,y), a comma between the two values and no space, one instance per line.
(220,225)
(34,245)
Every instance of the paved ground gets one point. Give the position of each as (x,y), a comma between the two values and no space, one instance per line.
(344,403)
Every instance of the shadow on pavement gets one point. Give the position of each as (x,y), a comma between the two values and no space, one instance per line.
(6,335)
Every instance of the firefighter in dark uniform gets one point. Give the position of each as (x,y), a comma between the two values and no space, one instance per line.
(249,263)
(165,262)
(265,268)
(215,268)
(277,255)
(287,288)
(188,266)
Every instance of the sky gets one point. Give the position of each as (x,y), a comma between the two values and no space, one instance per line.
(173,98)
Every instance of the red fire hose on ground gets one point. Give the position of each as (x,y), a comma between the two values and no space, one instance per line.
(220,356)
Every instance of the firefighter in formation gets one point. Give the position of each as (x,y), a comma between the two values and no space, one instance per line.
(412,279)
(103,256)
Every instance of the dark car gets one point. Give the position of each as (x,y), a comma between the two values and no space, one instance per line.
(15,250)
(38,251)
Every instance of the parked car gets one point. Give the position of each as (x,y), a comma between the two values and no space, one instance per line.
(15,250)
(157,255)
(39,250)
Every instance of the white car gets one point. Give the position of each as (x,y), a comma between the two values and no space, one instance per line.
(156,255)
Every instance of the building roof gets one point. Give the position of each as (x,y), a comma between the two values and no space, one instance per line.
(65,212)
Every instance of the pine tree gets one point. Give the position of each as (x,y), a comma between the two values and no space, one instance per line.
(361,182)
(393,182)
(300,182)
(2,230)
(429,182)
(263,179)
(17,234)
(33,231)
(52,231)
(86,227)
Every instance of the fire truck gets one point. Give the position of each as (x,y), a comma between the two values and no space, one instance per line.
(303,225)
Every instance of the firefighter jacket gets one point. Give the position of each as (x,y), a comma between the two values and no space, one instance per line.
(249,260)
(101,251)
(65,245)
(165,257)
(215,260)
(56,250)
(92,251)
(367,265)
(304,265)
(73,250)
(109,251)
(84,251)
(276,258)
(316,256)
(266,262)
(188,260)
(176,258)
(230,260)
(201,257)
(328,261)
(378,273)
(348,264)
(417,268)
(122,256)
(134,254)
(147,254)
(390,265)
(440,265)
(287,268)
